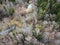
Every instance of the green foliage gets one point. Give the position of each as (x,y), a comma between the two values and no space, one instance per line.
(5,15)
(40,27)
(43,9)
(11,10)
(55,8)
(44,5)
(40,11)
(0,1)
(31,43)
(39,37)
(34,34)
(39,2)
(12,0)
(58,17)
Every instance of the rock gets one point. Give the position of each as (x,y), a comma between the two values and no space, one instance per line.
(58,0)
(54,23)
(57,35)
(34,0)
(52,37)
(6,20)
(11,34)
(29,29)
(29,9)
(29,19)
(32,7)
(32,12)
(47,29)
(28,38)
(1,37)
(11,43)
(5,32)
(46,17)
(1,7)
(35,41)
(57,42)
(2,43)
(15,22)
(45,23)
(21,1)
(19,37)
(1,26)
(46,37)
(37,31)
